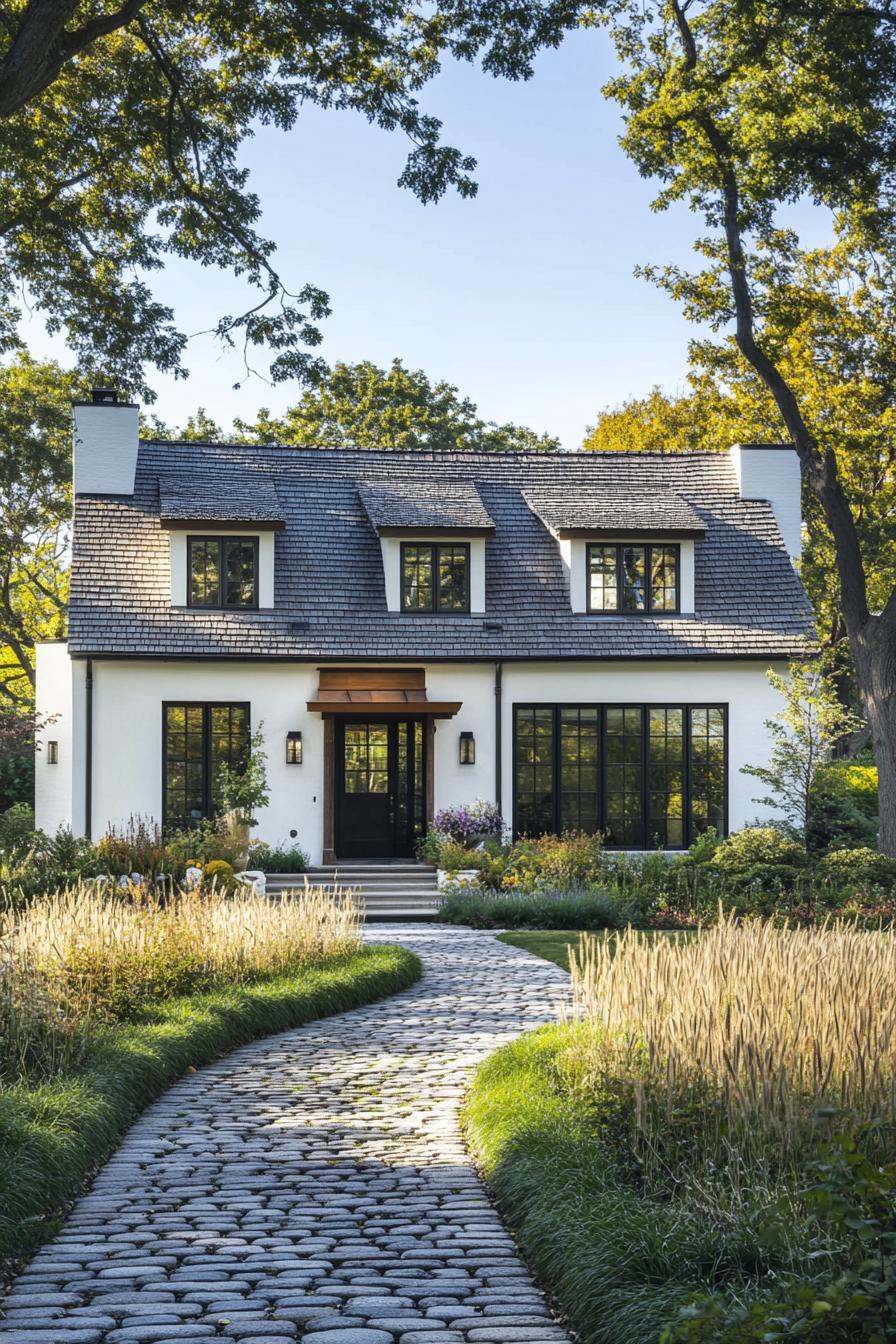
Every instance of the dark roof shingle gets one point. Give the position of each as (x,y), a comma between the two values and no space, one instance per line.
(427,505)
(612,512)
(329,586)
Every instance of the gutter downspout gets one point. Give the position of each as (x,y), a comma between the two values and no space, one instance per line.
(88,751)
(499,671)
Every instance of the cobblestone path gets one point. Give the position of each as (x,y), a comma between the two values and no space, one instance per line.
(312,1186)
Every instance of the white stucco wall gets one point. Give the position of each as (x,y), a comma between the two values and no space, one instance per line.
(59,699)
(128,700)
(177,546)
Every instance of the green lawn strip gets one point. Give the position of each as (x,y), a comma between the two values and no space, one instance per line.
(618,1265)
(554,944)
(551,944)
(55,1134)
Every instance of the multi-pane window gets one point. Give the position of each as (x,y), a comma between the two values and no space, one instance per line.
(643,775)
(367,758)
(624,811)
(633,578)
(665,776)
(579,766)
(222,572)
(534,769)
(197,740)
(707,758)
(435,576)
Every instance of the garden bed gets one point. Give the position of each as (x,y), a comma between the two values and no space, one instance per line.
(699,1207)
(106,1001)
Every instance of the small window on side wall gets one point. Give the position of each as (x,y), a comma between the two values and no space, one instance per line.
(222,572)
(633,579)
(435,577)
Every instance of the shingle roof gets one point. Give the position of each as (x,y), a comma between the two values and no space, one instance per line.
(614,512)
(329,585)
(227,494)
(425,505)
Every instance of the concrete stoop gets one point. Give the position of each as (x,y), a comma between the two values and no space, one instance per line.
(390,890)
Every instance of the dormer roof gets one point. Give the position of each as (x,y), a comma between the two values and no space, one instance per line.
(425,506)
(614,513)
(219,496)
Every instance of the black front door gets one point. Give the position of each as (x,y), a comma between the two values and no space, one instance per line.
(380,787)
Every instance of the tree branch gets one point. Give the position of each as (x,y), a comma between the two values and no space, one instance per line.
(41,47)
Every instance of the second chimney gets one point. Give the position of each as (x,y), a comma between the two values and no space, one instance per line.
(106,436)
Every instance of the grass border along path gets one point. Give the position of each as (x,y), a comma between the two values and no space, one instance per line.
(618,1266)
(55,1133)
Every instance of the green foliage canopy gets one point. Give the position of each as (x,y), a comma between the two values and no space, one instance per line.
(121,147)
(362,406)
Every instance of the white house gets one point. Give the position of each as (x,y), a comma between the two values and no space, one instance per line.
(581,638)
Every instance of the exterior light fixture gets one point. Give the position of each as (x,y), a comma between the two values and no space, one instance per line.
(467,749)
(52,753)
(293,748)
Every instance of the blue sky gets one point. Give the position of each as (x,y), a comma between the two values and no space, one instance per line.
(523,297)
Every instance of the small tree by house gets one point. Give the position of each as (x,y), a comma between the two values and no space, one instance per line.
(804,732)
(244,788)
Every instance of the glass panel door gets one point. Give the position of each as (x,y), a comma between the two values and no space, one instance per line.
(380,778)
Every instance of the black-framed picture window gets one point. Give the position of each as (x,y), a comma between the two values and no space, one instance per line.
(197,738)
(707,750)
(633,579)
(435,576)
(642,775)
(579,768)
(666,777)
(222,572)
(623,806)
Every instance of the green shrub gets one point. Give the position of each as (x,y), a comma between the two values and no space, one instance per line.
(848,867)
(843,808)
(454,857)
(218,871)
(16,826)
(277,858)
(759,846)
(856,1201)
(573,909)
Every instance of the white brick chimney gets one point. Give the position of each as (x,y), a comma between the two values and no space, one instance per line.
(771,471)
(105,444)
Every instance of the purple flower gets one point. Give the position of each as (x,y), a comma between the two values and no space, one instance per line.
(462,823)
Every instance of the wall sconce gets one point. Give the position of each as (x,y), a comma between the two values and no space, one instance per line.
(467,749)
(293,748)
(52,753)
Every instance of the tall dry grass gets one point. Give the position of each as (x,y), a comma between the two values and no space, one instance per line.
(744,1044)
(78,957)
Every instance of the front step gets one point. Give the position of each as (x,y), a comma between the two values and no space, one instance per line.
(395,891)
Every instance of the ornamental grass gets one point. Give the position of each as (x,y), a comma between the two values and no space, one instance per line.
(739,1049)
(79,957)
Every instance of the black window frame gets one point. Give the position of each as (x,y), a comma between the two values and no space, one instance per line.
(646,841)
(619,609)
(221,540)
(435,548)
(206,706)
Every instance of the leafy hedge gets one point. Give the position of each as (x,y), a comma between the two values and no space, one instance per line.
(55,1133)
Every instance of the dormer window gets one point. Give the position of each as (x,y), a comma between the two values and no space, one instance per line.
(633,578)
(435,577)
(222,573)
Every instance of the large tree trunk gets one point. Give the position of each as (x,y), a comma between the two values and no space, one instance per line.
(874,650)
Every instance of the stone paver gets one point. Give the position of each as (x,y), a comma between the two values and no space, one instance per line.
(312,1186)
